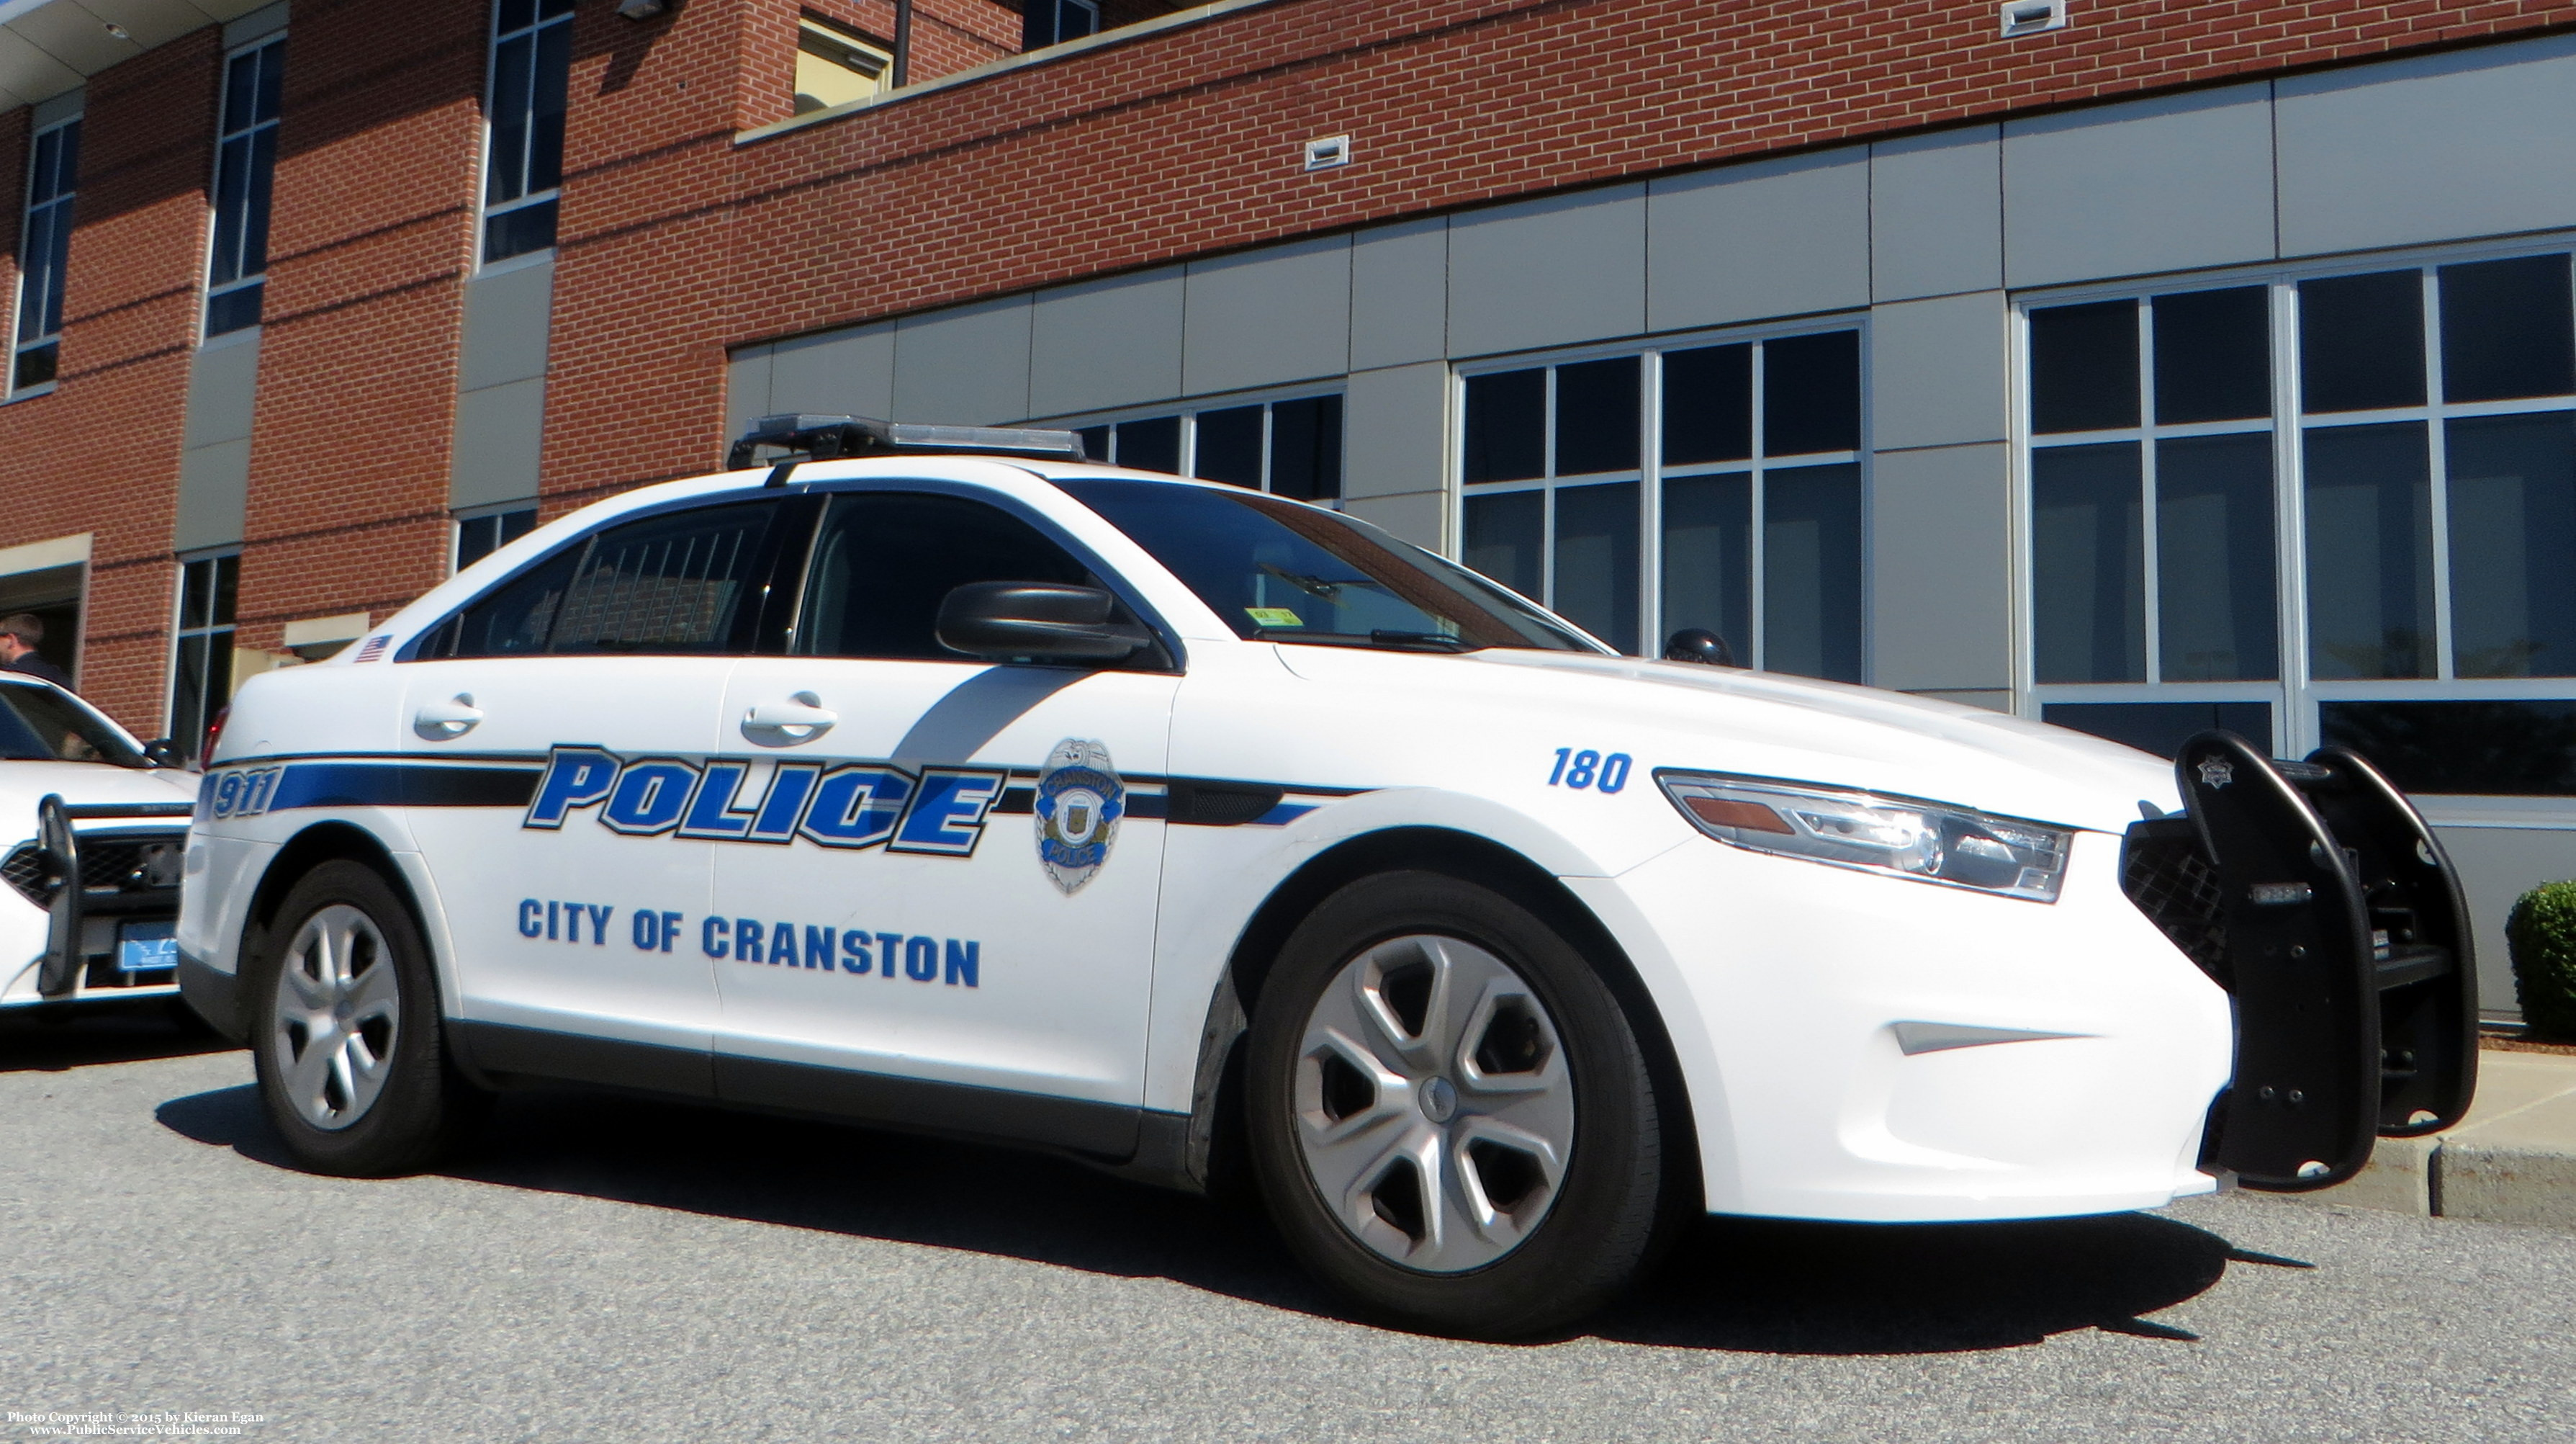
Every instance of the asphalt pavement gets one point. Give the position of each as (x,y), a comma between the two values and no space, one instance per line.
(613,1269)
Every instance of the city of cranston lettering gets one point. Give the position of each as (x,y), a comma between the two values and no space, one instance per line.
(832,949)
(934,810)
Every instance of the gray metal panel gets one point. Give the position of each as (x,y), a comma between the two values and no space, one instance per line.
(1400,294)
(498,434)
(223,387)
(1548,272)
(2496,866)
(1111,342)
(2435,147)
(60,108)
(1937,371)
(1395,431)
(1779,237)
(1281,313)
(214,492)
(1419,517)
(1941,612)
(839,373)
(1936,213)
(1997,700)
(965,366)
(2151,185)
(507,317)
(266,20)
(747,388)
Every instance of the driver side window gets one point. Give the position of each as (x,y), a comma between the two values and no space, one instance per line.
(886,560)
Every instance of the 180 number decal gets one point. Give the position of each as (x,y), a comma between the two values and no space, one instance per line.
(1589,769)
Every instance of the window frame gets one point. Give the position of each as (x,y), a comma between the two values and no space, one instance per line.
(188,741)
(458,519)
(484,209)
(1188,411)
(2296,696)
(65,202)
(215,290)
(1651,473)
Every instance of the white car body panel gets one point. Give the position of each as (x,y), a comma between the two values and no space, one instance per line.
(1779,983)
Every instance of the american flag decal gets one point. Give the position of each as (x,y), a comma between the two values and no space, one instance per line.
(375,647)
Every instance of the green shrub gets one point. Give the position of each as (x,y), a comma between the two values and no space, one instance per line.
(2541,934)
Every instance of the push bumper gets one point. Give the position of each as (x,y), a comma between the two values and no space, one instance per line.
(98,882)
(2315,894)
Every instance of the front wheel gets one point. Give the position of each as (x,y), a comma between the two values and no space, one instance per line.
(1449,1115)
(346,1041)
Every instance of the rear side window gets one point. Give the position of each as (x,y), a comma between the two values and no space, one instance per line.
(675,583)
(886,560)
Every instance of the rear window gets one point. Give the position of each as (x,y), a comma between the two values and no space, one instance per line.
(674,583)
(38,724)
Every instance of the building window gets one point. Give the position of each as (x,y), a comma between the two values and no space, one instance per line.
(1053,22)
(483,533)
(201,672)
(245,161)
(1290,447)
(524,125)
(44,244)
(2334,508)
(1697,485)
(835,67)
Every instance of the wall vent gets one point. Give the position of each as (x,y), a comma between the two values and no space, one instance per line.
(2029,17)
(1328,152)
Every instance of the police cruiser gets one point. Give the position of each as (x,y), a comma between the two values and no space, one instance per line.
(930,778)
(93,865)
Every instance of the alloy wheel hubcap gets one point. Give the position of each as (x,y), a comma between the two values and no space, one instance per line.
(338,1011)
(1433,1105)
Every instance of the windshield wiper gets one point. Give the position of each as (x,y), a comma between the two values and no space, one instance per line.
(1324,587)
(1386,638)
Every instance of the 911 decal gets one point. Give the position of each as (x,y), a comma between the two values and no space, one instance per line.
(240,793)
(936,810)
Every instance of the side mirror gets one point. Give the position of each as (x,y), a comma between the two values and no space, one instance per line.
(1699,644)
(161,752)
(1037,622)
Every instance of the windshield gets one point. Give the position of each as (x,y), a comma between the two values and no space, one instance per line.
(39,724)
(1281,572)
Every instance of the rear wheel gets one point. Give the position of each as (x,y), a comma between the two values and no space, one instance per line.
(1449,1116)
(347,1040)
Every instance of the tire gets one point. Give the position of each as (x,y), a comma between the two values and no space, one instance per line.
(1448,1114)
(350,1053)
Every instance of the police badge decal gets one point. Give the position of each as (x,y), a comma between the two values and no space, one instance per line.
(1079,802)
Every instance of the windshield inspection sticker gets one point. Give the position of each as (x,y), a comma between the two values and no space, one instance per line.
(1078,804)
(1274,617)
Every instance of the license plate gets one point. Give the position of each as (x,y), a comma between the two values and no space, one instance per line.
(146,947)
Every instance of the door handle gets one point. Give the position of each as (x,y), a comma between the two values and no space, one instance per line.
(448,720)
(801,718)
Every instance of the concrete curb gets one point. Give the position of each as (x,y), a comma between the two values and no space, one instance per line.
(2512,1160)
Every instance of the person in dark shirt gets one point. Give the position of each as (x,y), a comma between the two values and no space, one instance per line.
(19,635)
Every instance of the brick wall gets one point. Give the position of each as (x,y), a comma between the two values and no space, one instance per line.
(101,454)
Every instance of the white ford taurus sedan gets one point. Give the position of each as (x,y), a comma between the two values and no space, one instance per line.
(933,779)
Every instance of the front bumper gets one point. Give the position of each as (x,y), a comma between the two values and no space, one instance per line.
(94,877)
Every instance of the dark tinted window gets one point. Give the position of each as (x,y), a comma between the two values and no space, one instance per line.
(2370,551)
(1811,583)
(2163,727)
(2361,342)
(478,537)
(38,724)
(1596,560)
(1230,446)
(2506,748)
(1708,405)
(2513,545)
(2215,559)
(886,561)
(2084,367)
(670,583)
(1708,557)
(1306,448)
(1811,393)
(1506,426)
(1153,444)
(2088,564)
(1506,540)
(1596,416)
(2213,355)
(2505,330)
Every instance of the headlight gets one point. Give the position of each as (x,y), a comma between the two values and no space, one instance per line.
(1922,840)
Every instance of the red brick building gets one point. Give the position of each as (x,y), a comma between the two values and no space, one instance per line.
(308,304)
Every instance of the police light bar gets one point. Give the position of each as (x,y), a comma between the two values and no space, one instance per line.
(827,438)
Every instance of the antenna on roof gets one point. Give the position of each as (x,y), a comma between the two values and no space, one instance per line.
(801,437)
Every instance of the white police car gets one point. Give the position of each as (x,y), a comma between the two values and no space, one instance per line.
(88,801)
(940,781)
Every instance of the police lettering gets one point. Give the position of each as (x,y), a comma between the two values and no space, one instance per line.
(958,962)
(936,810)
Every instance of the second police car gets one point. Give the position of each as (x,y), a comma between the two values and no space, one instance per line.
(934,779)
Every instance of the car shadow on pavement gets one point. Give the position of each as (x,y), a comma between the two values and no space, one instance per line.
(1737,1285)
(39,1040)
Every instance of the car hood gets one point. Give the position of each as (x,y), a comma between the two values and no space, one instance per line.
(24,784)
(1685,715)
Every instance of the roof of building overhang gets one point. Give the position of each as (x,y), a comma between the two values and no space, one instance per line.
(49,46)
